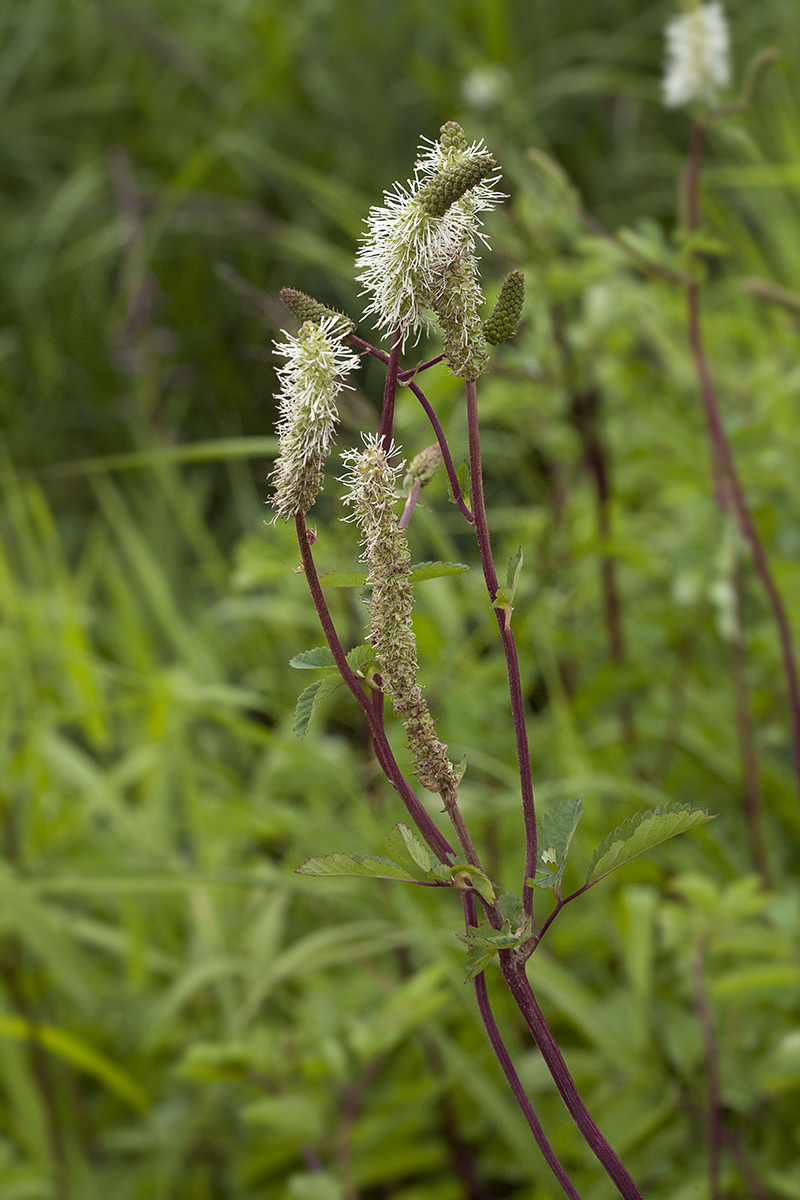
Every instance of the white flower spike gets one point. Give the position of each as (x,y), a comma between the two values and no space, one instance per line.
(310,382)
(698,57)
(415,239)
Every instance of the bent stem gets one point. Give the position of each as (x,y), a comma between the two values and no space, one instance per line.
(503,1057)
(514,974)
(416,810)
(723,462)
(509,648)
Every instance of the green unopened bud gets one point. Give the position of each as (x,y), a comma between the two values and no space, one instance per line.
(504,319)
(423,468)
(452,137)
(450,185)
(306,308)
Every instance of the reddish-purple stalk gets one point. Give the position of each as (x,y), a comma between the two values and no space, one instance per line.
(383,750)
(434,420)
(509,648)
(514,974)
(503,1057)
(390,391)
(723,462)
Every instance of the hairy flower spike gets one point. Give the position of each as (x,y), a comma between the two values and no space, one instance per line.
(306,308)
(372,493)
(310,382)
(409,253)
(444,189)
(698,56)
(504,318)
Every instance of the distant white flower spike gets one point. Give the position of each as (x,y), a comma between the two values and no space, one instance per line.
(408,250)
(698,57)
(310,382)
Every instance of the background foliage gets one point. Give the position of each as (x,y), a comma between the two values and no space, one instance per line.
(180,1014)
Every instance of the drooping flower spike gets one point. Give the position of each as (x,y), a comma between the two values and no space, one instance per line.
(311,380)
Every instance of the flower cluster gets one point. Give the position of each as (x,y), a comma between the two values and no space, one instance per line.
(698,57)
(418,254)
(372,493)
(310,382)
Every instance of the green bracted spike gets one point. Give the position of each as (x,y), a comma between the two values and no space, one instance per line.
(306,308)
(504,319)
(423,468)
(451,184)
(452,137)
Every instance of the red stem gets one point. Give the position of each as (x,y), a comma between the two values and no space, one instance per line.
(390,391)
(383,750)
(722,456)
(509,648)
(503,1057)
(514,975)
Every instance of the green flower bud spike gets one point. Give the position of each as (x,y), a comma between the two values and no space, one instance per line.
(451,184)
(504,319)
(452,138)
(306,308)
(422,469)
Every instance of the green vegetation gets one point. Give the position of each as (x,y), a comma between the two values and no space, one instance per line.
(182,1015)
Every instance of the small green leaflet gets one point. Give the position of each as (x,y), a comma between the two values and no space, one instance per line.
(309,660)
(360,658)
(464,484)
(484,942)
(641,832)
(511,909)
(356,864)
(414,855)
(310,700)
(505,596)
(465,875)
(555,834)
(435,570)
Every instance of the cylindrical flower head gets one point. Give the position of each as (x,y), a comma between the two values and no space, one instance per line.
(423,467)
(310,382)
(422,229)
(698,57)
(372,493)
(306,308)
(504,319)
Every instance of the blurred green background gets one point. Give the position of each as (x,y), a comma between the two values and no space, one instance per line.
(181,1016)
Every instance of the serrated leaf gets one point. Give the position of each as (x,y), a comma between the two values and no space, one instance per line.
(512,573)
(412,853)
(641,832)
(343,579)
(464,484)
(359,658)
(356,864)
(511,909)
(310,660)
(311,699)
(436,570)
(555,834)
(474,876)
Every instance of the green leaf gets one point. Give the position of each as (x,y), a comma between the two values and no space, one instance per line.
(511,909)
(360,658)
(555,834)
(641,832)
(464,484)
(436,570)
(310,701)
(412,852)
(356,864)
(343,579)
(475,877)
(484,942)
(310,660)
(512,573)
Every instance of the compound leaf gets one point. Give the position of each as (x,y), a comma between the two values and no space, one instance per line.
(310,700)
(310,660)
(412,852)
(641,832)
(356,864)
(555,834)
